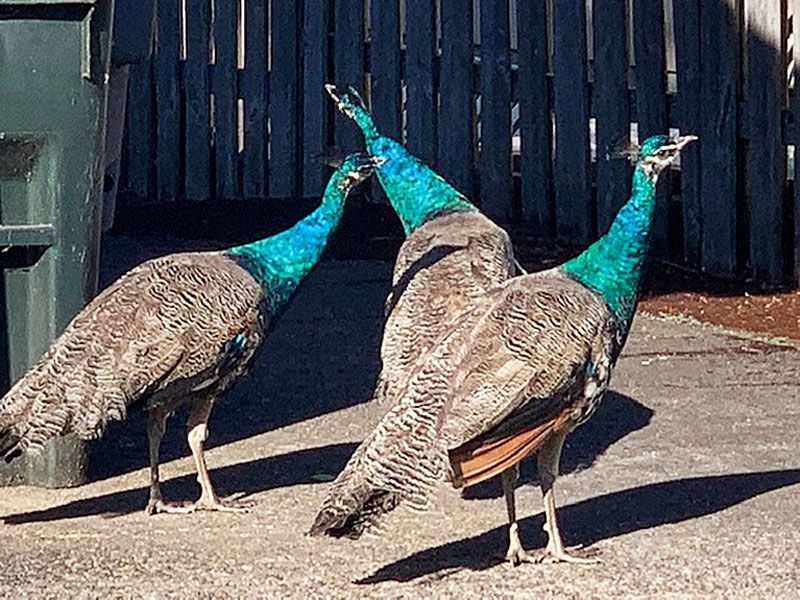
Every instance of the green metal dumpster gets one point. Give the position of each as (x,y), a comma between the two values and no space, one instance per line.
(54,65)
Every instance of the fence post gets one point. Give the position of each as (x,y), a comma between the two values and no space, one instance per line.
(574,214)
(765,151)
(719,60)
(611,109)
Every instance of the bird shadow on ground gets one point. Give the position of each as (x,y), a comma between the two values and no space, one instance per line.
(595,519)
(243,479)
(616,416)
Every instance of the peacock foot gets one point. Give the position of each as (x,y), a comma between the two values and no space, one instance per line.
(576,555)
(211,503)
(516,556)
(222,504)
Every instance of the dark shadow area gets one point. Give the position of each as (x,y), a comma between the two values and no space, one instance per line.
(617,415)
(247,478)
(595,519)
(322,355)
(367,230)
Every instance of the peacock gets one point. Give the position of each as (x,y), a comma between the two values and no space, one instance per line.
(173,330)
(513,375)
(452,252)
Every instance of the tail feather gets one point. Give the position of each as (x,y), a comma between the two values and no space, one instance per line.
(65,391)
(9,445)
(355,516)
(400,462)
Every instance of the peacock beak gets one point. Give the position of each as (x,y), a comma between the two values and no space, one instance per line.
(682,141)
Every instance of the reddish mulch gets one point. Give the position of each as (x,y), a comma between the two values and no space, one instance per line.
(722,303)
(672,290)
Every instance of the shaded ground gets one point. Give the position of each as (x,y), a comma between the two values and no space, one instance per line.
(686,480)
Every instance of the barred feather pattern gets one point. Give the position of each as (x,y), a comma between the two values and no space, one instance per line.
(538,348)
(157,335)
(442,267)
(545,359)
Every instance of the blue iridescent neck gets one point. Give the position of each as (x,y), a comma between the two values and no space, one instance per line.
(612,266)
(280,262)
(415,191)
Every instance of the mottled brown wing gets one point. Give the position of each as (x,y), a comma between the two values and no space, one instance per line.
(441,268)
(532,361)
(160,328)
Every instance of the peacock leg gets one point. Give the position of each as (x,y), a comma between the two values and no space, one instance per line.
(549,457)
(156,422)
(197,424)
(516,554)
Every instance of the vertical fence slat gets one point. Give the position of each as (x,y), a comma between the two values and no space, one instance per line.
(651,70)
(197,108)
(796,116)
(167,100)
(535,123)
(495,111)
(348,54)
(574,214)
(610,107)
(314,43)
(765,156)
(254,96)
(687,55)
(225,99)
(385,66)
(456,114)
(284,163)
(719,59)
(139,116)
(651,96)
(420,108)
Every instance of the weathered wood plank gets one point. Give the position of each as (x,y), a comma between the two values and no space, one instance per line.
(456,108)
(226,151)
(283,101)
(535,123)
(167,100)
(385,67)
(139,153)
(420,106)
(766,155)
(253,81)
(495,111)
(687,55)
(651,97)
(573,206)
(719,60)
(197,102)
(348,53)
(315,100)
(795,106)
(610,107)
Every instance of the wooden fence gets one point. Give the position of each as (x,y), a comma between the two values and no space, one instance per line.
(232,106)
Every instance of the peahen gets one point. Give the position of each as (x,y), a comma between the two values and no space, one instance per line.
(452,253)
(173,330)
(513,375)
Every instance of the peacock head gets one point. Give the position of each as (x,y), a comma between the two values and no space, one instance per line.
(347,100)
(660,151)
(355,168)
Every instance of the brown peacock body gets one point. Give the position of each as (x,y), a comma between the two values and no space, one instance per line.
(451,255)
(176,329)
(513,375)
